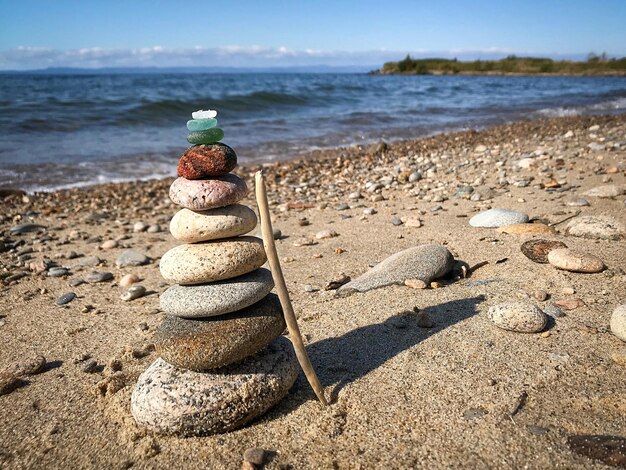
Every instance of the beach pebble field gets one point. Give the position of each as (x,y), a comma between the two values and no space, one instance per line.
(461,297)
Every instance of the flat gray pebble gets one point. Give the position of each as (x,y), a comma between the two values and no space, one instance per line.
(66,298)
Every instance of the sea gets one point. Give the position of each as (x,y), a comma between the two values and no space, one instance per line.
(63,131)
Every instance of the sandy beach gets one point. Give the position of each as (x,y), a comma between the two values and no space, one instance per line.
(461,394)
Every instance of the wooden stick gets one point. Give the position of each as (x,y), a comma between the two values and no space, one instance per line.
(281,288)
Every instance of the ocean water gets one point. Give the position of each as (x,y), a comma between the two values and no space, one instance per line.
(59,131)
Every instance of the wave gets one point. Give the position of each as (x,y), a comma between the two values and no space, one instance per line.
(616,105)
(250,102)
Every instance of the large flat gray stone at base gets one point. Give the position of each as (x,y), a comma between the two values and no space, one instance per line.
(217,298)
(170,400)
(424,262)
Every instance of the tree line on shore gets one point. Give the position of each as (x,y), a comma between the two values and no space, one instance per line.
(510,65)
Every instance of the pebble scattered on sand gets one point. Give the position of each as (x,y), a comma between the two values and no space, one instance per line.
(599,227)
(255,456)
(98,276)
(58,272)
(606,191)
(423,262)
(575,261)
(207,403)
(537,250)
(324,234)
(134,292)
(618,322)
(128,280)
(553,311)
(497,217)
(131,258)
(520,317)
(27,366)
(26,228)
(66,298)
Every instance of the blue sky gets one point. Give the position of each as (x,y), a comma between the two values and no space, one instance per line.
(89,33)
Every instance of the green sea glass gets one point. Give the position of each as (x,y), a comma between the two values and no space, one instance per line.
(201,124)
(210,136)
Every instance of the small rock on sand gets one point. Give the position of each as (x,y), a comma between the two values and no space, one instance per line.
(27,366)
(131,258)
(423,262)
(618,322)
(575,261)
(494,218)
(134,292)
(606,191)
(95,277)
(599,227)
(521,317)
(128,280)
(66,298)
(538,250)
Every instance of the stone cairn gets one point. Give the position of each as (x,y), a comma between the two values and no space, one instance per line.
(223,361)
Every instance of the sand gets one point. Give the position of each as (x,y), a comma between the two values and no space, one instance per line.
(461,394)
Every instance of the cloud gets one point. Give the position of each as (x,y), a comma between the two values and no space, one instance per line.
(26,58)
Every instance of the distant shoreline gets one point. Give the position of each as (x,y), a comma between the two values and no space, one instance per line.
(508,66)
(503,74)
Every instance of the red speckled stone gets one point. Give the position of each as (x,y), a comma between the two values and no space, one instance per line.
(202,161)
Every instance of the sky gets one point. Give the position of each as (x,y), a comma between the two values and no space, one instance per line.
(130,33)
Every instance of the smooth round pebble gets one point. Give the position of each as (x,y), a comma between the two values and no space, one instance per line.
(134,292)
(496,217)
(600,227)
(575,261)
(58,272)
(66,298)
(128,280)
(109,244)
(177,401)
(223,222)
(208,343)
(96,276)
(217,298)
(212,261)
(203,161)
(521,317)
(131,258)
(199,195)
(618,322)
(537,250)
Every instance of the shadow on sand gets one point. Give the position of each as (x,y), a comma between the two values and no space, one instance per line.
(342,360)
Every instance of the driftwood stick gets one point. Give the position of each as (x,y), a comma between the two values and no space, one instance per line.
(281,288)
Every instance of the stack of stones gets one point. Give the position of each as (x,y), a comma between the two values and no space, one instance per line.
(223,361)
